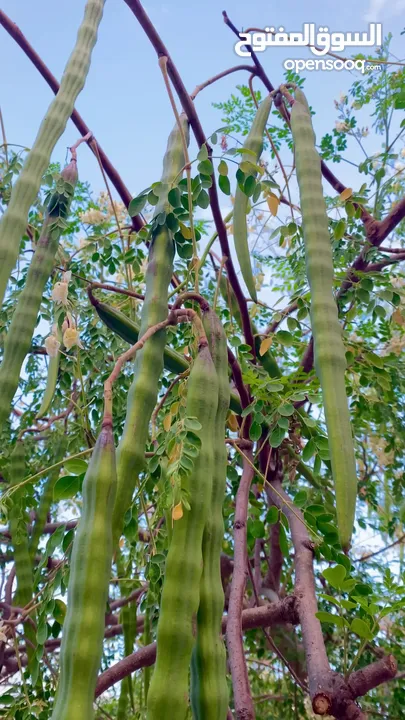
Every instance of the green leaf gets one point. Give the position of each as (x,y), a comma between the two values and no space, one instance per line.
(255,431)
(223,168)
(309,450)
(285,338)
(287,409)
(75,467)
(348,605)
(136,205)
(335,576)
(203,199)
(361,629)
(174,197)
(257,529)
(203,153)
(205,167)
(249,186)
(42,631)
(224,184)
(59,611)
(283,541)
(192,423)
(185,251)
(283,422)
(330,599)
(340,229)
(374,359)
(67,487)
(275,387)
(330,618)
(272,515)
(277,436)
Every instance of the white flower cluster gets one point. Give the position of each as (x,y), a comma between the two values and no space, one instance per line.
(342,126)
(70,334)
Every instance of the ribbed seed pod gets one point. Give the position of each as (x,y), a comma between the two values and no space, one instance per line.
(128,620)
(267,360)
(46,499)
(128,330)
(149,361)
(51,381)
(330,361)
(19,536)
(168,692)
(83,629)
(18,339)
(209,689)
(25,190)
(254,142)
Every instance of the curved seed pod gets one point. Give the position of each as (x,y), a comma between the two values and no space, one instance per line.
(18,339)
(254,142)
(209,689)
(83,629)
(330,361)
(52,378)
(300,97)
(14,220)
(267,360)
(19,537)
(148,365)
(168,692)
(46,500)
(128,330)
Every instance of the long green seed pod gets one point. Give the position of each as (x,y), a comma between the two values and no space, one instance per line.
(330,361)
(128,620)
(83,629)
(148,365)
(25,190)
(128,330)
(168,692)
(267,360)
(19,537)
(52,379)
(253,143)
(209,689)
(46,499)
(18,339)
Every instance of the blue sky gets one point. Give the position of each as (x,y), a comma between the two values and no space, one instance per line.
(124,101)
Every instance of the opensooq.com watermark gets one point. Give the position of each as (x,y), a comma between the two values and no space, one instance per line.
(321,42)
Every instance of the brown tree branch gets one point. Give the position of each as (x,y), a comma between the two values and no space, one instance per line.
(364,680)
(244,707)
(263,616)
(329,692)
(15,32)
(219,76)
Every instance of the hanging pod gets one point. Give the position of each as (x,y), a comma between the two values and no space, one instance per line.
(25,189)
(254,144)
(148,364)
(169,688)
(90,568)
(209,689)
(18,518)
(18,338)
(329,351)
